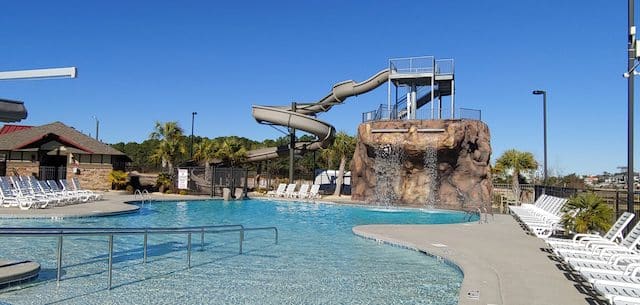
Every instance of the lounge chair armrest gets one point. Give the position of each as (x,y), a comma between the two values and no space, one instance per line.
(580,236)
(615,259)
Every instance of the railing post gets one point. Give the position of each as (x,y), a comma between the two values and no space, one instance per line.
(189,250)
(110,259)
(144,247)
(241,239)
(617,203)
(59,260)
(202,240)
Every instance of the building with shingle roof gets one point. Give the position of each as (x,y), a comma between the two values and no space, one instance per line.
(57,151)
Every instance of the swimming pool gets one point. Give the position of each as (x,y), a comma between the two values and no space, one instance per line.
(318,259)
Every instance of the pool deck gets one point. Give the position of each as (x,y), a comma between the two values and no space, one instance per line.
(113,203)
(502,264)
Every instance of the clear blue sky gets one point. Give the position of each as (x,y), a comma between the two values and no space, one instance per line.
(158,61)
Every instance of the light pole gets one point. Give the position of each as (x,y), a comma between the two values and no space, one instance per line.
(631,49)
(97,127)
(193,115)
(544,120)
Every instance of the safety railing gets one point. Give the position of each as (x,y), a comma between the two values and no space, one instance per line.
(421,64)
(383,113)
(61,232)
(142,197)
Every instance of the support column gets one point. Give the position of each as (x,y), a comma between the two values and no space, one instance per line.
(414,107)
(453,96)
(292,146)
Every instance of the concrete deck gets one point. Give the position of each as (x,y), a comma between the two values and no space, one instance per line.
(113,203)
(501,263)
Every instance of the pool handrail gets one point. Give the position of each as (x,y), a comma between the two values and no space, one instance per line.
(110,232)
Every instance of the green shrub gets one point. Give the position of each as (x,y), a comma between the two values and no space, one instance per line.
(163,182)
(129,189)
(168,191)
(118,179)
(587,212)
(183,192)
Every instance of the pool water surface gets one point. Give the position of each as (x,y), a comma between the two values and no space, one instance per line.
(318,259)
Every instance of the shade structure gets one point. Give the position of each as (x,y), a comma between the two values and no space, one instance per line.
(12,111)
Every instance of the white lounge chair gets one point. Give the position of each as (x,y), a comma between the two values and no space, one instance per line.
(612,254)
(313,193)
(279,192)
(75,182)
(25,191)
(303,192)
(584,241)
(291,188)
(11,198)
(82,195)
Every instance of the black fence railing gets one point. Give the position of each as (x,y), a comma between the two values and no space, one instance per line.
(213,180)
(616,198)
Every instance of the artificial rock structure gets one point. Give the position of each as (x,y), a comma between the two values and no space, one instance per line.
(462,170)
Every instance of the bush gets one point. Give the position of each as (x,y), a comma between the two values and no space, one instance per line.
(118,179)
(168,192)
(163,182)
(587,212)
(183,192)
(129,189)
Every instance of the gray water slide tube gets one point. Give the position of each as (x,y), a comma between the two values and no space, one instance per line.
(304,117)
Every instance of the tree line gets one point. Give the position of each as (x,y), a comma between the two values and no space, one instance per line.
(168,147)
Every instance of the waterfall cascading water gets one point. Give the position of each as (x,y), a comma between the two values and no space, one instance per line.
(431,171)
(388,169)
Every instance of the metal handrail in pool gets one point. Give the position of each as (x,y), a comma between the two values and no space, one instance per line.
(77,231)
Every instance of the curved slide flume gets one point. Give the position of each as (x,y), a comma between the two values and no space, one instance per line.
(304,116)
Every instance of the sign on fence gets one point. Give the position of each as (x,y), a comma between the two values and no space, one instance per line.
(183,178)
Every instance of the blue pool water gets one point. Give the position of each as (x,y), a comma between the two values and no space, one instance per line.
(317,261)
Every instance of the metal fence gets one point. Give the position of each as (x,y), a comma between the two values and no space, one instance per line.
(398,112)
(616,198)
(52,172)
(213,180)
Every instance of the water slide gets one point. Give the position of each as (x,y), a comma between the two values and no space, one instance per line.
(304,117)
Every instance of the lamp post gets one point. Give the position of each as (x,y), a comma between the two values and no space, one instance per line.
(97,127)
(193,115)
(631,49)
(544,120)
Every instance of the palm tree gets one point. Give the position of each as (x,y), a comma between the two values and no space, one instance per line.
(231,152)
(343,146)
(518,162)
(205,150)
(587,212)
(171,147)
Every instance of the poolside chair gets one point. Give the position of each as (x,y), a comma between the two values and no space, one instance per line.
(618,292)
(545,222)
(24,190)
(303,192)
(313,193)
(291,188)
(605,253)
(279,191)
(82,196)
(61,197)
(72,197)
(75,182)
(10,198)
(583,241)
